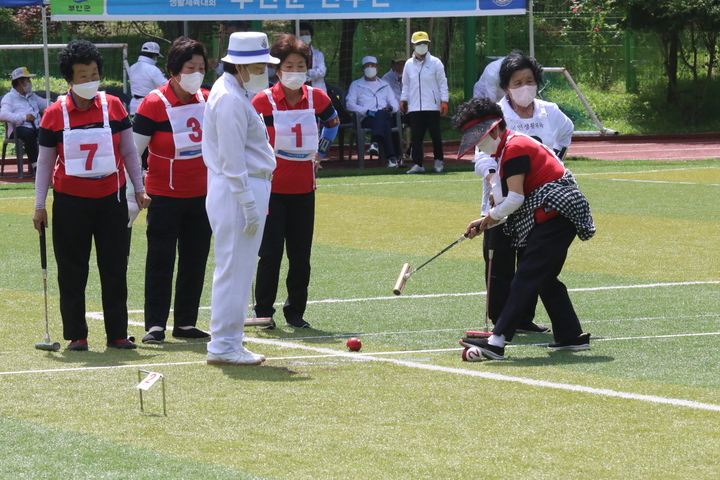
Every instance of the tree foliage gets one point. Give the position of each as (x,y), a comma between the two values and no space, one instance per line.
(688,33)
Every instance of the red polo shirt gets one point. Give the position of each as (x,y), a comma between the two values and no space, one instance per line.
(51,135)
(290,176)
(189,176)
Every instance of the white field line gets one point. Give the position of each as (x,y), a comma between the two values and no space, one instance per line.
(326,352)
(663,181)
(99,315)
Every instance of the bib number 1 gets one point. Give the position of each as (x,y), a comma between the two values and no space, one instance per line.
(297,130)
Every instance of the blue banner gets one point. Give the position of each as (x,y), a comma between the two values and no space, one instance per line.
(277,9)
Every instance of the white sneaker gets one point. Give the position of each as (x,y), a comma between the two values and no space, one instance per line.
(416,169)
(439,166)
(374,149)
(242,356)
(392,162)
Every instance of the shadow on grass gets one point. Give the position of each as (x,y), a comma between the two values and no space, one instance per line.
(555,358)
(264,373)
(99,358)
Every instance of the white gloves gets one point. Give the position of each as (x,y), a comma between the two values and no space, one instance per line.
(252,217)
(133,210)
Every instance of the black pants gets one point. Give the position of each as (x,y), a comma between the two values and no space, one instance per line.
(290,224)
(175,224)
(420,123)
(537,272)
(503,270)
(29,137)
(76,221)
(382,124)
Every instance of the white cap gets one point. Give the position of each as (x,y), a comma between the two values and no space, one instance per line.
(249,47)
(369,59)
(21,72)
(151,47)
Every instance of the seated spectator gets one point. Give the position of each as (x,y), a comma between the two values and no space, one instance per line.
(373,99)
(316,70)
(488,85)
(21,106)
(394,76)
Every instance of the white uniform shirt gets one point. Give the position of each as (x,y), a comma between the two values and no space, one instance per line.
(144,78)
(395,83)
(548,123)
(15,108)
(235,141)
(365,95)
(488,85)
(317,73)
(424,84)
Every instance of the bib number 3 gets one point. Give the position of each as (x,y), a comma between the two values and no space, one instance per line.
(194,125)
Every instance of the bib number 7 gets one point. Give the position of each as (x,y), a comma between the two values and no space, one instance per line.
(91,148)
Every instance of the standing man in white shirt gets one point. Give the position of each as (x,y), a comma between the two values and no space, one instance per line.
(240,162)
(424,99)
(316,70)
(373,99)
(144,75)
(21,106)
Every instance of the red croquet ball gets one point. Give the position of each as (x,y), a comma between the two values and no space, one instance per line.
(354,344)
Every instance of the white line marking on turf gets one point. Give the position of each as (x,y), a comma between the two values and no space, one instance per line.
(662,181)
(326,352)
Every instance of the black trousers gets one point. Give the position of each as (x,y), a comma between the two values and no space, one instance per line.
(29,137)
(382,124)
(420,123)
(537,272)
(503,270)
(175,224)
(76,222)
(289,225)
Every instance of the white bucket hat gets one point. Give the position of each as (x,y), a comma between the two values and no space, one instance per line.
(151,47)
(249,47)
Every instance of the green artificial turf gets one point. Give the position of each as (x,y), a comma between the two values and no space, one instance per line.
(405,407)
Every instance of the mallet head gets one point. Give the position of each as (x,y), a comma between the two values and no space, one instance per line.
(402,279)
(49,346)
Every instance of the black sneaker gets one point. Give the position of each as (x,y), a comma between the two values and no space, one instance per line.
(270,326)
(532,328)
(488,351)
(78,345)
(299,323)
(155,337)
(122,344)
(190,333)
(579,343)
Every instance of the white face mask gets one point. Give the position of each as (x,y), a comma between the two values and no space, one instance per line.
(306,38)
(257,83)
(190,82)
(489,145)
(421,48)
(523,96)
(86,90)
(293,80)
(370,72)
(27,88)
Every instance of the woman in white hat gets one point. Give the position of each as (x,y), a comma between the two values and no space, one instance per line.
(240,163)
(291,111)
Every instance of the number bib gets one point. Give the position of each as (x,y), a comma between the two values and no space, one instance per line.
(89,152)
(186,122)
(296,131)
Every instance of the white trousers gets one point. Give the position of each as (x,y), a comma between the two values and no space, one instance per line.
(236,255)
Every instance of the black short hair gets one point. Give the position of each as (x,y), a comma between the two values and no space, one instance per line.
(16,82)
(78,52)
(149,55)
(307,26)
(239,25)
(517,60)
(181,51)
(477,108)
(230,68)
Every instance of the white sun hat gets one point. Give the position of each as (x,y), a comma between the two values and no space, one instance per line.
(249,47)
